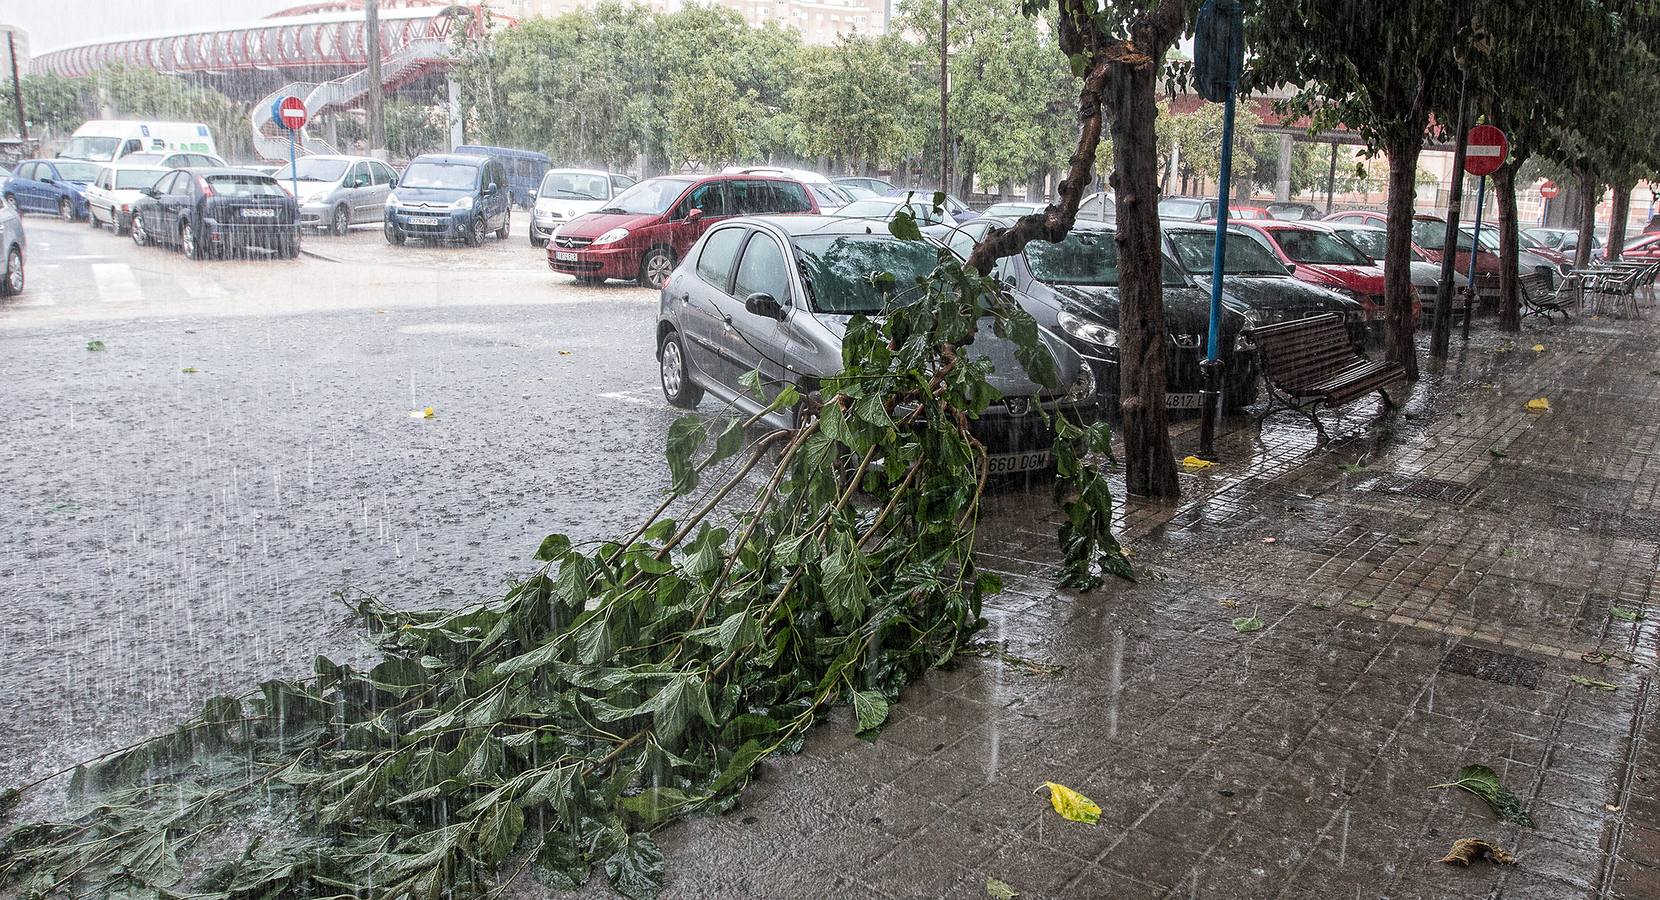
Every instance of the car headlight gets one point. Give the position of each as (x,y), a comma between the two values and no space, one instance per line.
(612,236)
(1085,330)
(1083,387)
(391,199)
(462,203)
(1243,343)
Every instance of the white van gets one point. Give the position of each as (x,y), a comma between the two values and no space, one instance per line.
(106,140)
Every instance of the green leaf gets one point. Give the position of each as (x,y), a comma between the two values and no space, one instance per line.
(1484,783)
(1247,624)
(1624,614)
(1000,890)
(636,868)
(903,226)
(1594,683)
(730,441)
(498,831)
(95,345)
(871,709)
(554,548)
(686,435)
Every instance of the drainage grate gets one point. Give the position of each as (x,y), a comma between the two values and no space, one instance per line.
(1607,524)
(1454,492)
(1491,665)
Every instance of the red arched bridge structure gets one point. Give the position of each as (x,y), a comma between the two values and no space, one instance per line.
(416,38)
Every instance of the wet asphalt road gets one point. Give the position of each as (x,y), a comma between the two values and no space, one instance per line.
(180,510)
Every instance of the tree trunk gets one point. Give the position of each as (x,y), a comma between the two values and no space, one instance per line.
(1398,292)
(1150,462)
(1590,193)
(1504,193)
(1617,220)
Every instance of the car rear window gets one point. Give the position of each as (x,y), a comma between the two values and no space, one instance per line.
(245,186)
(850,273)
(750,198)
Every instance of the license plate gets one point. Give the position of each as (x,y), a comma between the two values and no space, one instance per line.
(1009,463)
(564,256)
(1182,401)
(422,220)
(259,214)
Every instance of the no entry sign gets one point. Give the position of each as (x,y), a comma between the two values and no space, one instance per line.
(1488,149)
(289,112)
(1549,190)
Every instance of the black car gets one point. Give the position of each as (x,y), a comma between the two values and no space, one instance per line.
(217,212)
(1256,280)
(1071,288)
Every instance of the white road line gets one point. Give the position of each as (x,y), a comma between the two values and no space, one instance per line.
(116,283)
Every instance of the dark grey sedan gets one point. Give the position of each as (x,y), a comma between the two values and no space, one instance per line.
(1072,287)
(774,294)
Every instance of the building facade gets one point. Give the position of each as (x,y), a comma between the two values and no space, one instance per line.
(819,21)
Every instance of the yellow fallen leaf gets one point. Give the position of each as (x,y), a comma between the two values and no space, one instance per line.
(1538,404)
(1538,348)
(1071,804)
(1194,462)
(564,353)
(428,413)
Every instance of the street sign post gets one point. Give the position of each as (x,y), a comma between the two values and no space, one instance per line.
(1548,190)
(1488,149)
(290,114)
(1218,54)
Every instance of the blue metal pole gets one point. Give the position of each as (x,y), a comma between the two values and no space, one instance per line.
(293,176)
(1219,258)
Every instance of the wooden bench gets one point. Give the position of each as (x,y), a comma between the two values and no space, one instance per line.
(1538,298)
(1308,363)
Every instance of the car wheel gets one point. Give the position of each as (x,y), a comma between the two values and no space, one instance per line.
(678,388)
(92,218)
(473,235)
(342,220)
(188,242)
(656,268)
(13,282)
(506,225)
(140,237)
(66,209)
(538,243)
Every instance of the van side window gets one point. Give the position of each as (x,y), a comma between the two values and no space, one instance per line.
(714,263)
(711,197)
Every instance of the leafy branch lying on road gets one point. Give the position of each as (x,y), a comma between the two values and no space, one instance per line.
(557,727)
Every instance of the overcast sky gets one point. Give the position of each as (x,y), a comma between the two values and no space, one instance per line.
(57,23)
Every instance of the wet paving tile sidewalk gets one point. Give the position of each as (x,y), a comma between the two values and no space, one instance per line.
(1435,581)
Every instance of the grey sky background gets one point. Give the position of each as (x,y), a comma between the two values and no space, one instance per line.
(59,23)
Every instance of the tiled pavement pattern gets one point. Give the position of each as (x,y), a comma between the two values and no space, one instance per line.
(1432,583)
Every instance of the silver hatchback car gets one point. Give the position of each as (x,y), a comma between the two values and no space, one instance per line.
(337,192)
(12,247)
(774,294)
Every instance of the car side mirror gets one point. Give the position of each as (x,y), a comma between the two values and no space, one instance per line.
(150,192)
(763,305)
(392,182)
(694,215)
(490,189)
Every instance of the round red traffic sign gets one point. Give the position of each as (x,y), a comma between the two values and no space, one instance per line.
(1488,149)
(291,113)
(1549,190)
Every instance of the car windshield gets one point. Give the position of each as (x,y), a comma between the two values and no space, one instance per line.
(848,273)
(1177,208)
(1085,257)
(826,195)
(558,185)
(1196,251)
(1489,239)
(858,191)
(1432,235)
(136,179)
(92,147)
(650,197)
(77,171)
(245,186)
(1304,245)
(444,176)
(1370,240)
(1013,209)
(1246,213)
(313,169)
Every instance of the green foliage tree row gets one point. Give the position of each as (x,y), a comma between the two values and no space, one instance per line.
(57,105)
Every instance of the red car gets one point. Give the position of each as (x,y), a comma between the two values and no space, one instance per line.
(1429,236)
(1642,249)
(1317,255)
(642,233)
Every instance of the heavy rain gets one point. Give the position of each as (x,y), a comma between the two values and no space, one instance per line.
(829,448)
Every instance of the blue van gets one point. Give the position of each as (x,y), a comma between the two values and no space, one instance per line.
(449,196)
(524,168)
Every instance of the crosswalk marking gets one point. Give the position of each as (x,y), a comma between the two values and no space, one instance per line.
(116,283)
